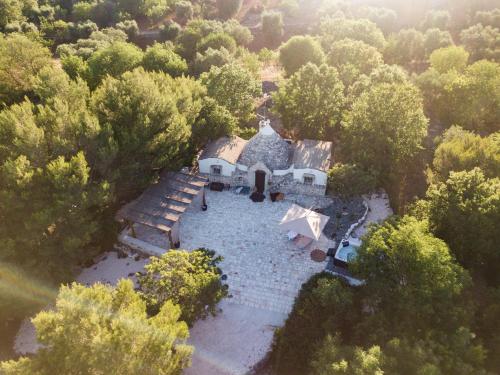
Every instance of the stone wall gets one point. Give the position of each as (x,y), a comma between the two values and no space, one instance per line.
(287,185)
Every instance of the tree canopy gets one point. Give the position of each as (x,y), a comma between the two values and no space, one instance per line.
(233,87)
(90,331)
(385,128)
(298,51)
(310,102)
(188,279)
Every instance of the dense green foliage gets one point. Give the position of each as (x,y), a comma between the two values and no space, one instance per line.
(162,58)
(336,29)
(385,128)
(298,51)
(468,98)
(188,279)
(90,332)
(462,150)
(147,120)
(233,87)
(20,60)
(465,211)
(349,180)
(353,58)
(409,315)
(310,102)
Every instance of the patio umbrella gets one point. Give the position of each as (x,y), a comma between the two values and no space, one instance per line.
(304,221)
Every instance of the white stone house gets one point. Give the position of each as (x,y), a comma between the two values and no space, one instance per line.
(268,163)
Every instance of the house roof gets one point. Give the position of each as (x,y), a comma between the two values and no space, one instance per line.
(313,154)
(269,148)
(161,205)
(225,148)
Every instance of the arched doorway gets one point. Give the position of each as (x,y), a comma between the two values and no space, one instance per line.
(260,181)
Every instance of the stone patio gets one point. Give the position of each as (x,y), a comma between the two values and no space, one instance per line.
(264,269)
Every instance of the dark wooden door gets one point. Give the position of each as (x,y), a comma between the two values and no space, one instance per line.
(260,181)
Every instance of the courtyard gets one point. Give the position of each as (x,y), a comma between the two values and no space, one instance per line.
(264,268)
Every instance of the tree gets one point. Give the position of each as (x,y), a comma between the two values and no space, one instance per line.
(384,18)
(272,26)
(50,202)
(129,27)
(481,41)
(241,34)
(462,150)
(469,99)
(331,358)
(148,118)
(20,60)
(412,282)
(217,41)
(161,58)
(446,59)
(74,66)
(183,11)
(405,48)
(228,8)
(169,31)
(353,58)
(488,18)
(188,279)
(325,304)
(114,60)
(233,87)
(193,33)
(464,211)
(149,8)
(213,122)
(212,57)
(335,29)
(298,51)
(348,180)
(385,128)
(435,39)
(310,102)
(90,331)
(439,19)
(11,11)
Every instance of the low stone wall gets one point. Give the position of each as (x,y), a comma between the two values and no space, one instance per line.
(139,245)
(287,185)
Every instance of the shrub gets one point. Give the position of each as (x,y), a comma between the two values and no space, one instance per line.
(129,27)
(183,10)
(349,180)
(170,30)
(189,279)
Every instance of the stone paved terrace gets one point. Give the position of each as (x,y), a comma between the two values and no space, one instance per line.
(265,269)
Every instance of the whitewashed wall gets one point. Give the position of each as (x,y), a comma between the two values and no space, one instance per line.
(227,168)
(320,178)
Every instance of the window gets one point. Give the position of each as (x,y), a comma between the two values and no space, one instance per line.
(308,179)
(216,170)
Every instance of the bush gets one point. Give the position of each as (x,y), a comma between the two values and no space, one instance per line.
(183,11)
(129,27)
(161,58)
(349,180)
(170,30)
(217,41)
(188,279)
